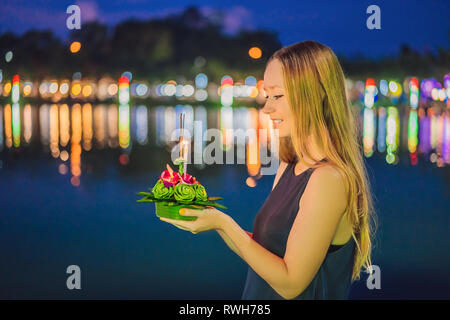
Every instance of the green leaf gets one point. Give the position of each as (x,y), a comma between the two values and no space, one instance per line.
(193,206)
(220,206)
(215,198)
(185,202)
(197,202)
(145,200)
(145,194)
(210,203)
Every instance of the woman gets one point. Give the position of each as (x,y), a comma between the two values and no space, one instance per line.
(313,234)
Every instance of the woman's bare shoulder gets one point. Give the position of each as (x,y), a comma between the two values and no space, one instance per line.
(328,173)
(327,179)
(330,180)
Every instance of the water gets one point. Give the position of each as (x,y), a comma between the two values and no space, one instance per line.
(83,211)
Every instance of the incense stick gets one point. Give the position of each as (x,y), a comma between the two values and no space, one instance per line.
(183,153)
(181,135)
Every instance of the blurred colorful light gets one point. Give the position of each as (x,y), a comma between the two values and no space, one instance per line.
(255,52)
(124,90)
(15,94)
(75,46)
(201,81)
(8,56)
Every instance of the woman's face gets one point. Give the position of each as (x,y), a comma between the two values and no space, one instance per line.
(277,106)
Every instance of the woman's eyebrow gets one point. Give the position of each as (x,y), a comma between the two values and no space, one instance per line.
(272,87)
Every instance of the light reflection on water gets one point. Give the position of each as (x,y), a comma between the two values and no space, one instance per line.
(80,128)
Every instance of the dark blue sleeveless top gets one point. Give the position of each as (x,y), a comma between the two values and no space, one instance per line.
(271,230)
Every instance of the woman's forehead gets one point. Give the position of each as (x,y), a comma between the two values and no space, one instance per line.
(269,84)
(267,87)
(273,75)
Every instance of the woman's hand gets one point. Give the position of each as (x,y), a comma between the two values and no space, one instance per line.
(207,219)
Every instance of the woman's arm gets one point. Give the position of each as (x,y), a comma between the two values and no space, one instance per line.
(308,241)
(230,243)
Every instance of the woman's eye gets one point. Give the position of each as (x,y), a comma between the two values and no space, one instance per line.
(275,97)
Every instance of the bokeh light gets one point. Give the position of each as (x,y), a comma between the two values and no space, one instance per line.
(255,52)
(75,46)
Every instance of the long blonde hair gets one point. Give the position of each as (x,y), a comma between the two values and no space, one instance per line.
(315,89)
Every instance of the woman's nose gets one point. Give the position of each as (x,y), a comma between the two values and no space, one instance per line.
(267,109)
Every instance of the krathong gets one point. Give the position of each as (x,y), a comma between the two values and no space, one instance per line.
(175,190)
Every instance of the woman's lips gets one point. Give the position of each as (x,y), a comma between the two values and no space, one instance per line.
(276,122)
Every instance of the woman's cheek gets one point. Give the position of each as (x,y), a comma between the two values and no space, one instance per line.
(285,129)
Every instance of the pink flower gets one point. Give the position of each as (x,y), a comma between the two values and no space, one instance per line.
(170,178)
(187,178)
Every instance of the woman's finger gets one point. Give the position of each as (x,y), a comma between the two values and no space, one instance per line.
(190,212)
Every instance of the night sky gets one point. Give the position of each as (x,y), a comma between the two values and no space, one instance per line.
(423,25)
